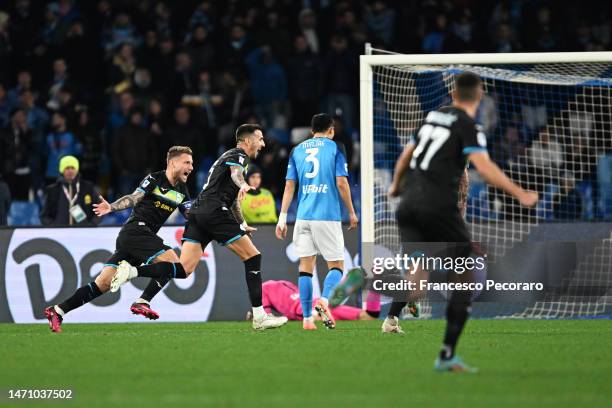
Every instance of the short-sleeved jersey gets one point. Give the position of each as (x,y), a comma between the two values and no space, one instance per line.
(220,190)
(443,142)
(160,200)
(314,164)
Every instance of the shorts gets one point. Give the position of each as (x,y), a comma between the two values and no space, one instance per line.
(219,224)
(137,244)
(319,237)
(444,233)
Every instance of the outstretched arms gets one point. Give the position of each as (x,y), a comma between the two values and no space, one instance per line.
(127,201)
(494,176)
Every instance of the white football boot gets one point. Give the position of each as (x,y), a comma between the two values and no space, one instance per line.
(268,321)
(124,273)
(391,325)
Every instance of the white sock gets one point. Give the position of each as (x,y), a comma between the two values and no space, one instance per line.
(309,319)
(258,312)
(141,300)
(58,310)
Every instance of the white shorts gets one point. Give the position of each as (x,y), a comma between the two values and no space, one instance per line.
(319,237)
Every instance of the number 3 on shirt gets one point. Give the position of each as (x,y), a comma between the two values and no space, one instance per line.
(315,162)
(437,135)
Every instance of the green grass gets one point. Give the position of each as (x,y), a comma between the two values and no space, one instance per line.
(522,364)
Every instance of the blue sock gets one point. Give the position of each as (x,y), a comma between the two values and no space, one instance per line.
(331,281)
(305,287)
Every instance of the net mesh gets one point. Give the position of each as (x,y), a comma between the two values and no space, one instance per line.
(548,127)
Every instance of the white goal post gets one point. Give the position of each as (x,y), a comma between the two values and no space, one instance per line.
(392,76)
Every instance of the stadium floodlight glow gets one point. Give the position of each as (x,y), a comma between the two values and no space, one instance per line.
(559,103)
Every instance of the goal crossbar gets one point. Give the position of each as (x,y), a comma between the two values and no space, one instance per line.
(367,62)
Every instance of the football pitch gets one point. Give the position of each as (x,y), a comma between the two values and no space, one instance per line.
(522,363)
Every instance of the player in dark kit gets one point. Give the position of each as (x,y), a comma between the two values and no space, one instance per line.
(427,175)
(216,214)
(157,196)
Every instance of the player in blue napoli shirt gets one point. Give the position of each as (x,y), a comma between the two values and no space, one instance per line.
(318,165)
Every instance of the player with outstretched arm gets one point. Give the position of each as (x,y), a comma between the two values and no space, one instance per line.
(427,176)
(216,214)
(157,196)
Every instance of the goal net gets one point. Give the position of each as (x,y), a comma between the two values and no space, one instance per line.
(548,121)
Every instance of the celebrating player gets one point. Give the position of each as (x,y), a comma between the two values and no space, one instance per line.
(319,166)
(216,214)
(157,196)
(428,210)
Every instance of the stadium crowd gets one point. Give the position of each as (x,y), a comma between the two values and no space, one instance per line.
(115,83)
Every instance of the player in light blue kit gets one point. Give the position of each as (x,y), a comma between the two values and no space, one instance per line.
(319,166)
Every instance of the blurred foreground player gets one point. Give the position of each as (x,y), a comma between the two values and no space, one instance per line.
(216,214)
(319,166)
(433,164)
(157,196)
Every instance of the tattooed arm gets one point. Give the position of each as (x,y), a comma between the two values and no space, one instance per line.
(463,193)
(238,179)
(237,211)
(128,201)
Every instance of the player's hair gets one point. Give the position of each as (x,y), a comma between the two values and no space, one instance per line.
(246,130)
(321,122)
(467,86)
(176,151)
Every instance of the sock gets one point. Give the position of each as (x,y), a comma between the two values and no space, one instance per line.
(58,310)
(153,288)
(162,270)
(258,312)
(83,295)
(457,313)
(396,308)
(252,270)
(373,303)
(331,281)
(305,289)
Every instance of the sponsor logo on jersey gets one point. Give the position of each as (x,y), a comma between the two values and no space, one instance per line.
(162,206)
(313,188)
(171,196)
